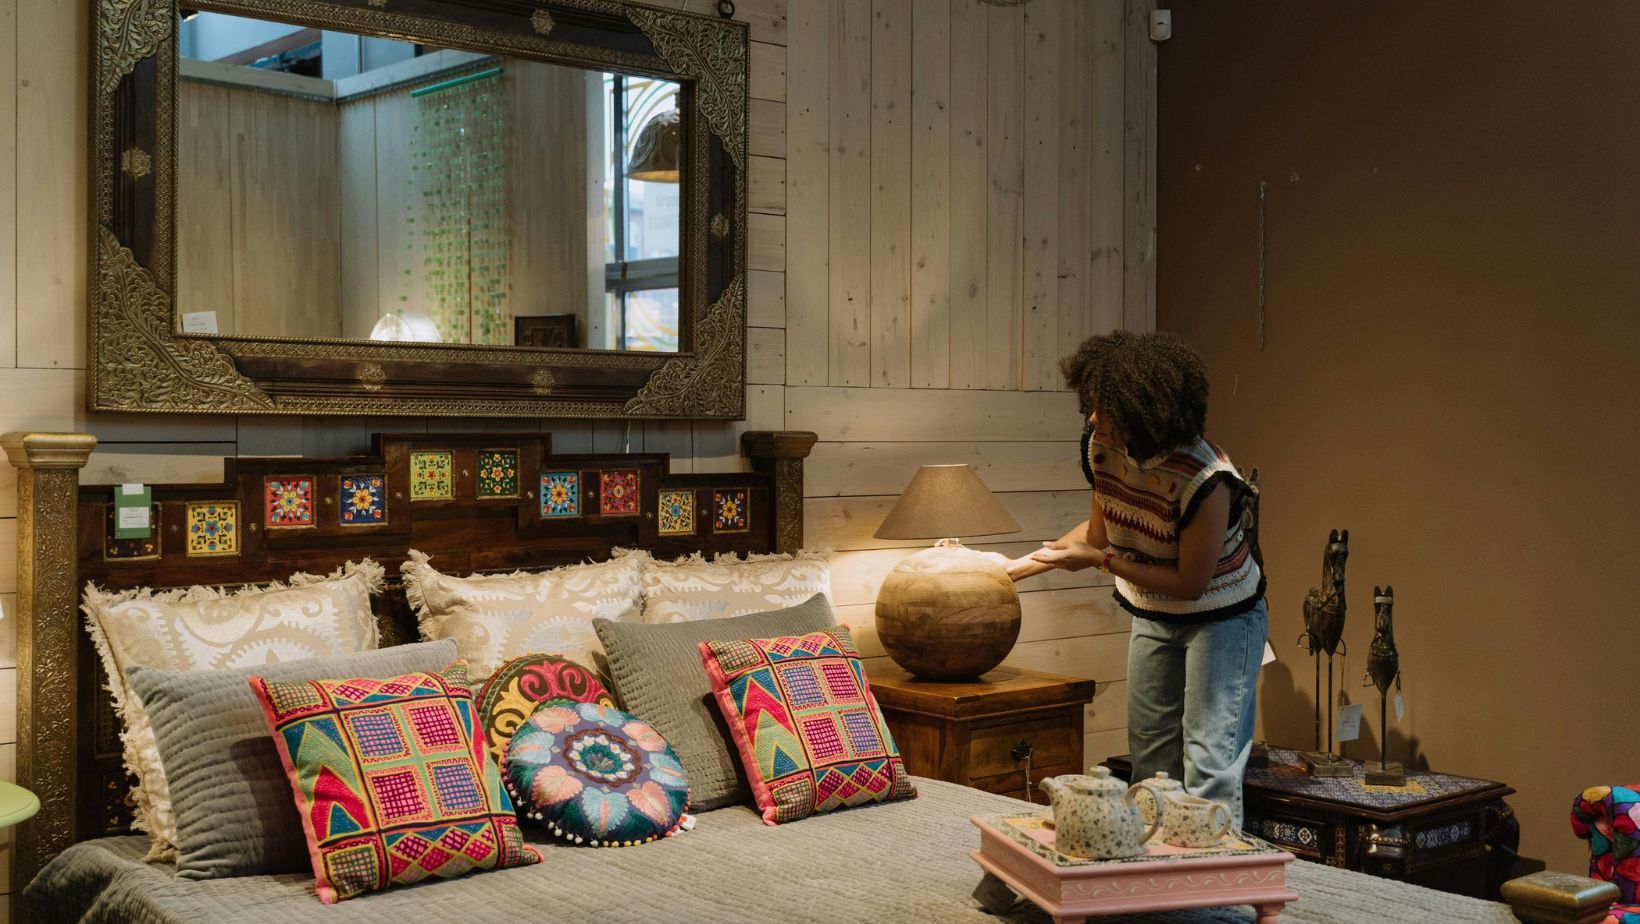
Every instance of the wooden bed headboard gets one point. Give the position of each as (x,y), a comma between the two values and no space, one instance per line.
(475,502)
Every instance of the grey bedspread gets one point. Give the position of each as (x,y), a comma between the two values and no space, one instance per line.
(899,862)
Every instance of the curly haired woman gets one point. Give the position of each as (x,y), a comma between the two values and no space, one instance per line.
(1166,524)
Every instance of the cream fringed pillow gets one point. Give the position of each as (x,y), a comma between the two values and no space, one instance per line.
(206,628)
(693,587)
(496,617)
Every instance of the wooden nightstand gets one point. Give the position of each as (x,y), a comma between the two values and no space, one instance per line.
(977,733)
(1451,833)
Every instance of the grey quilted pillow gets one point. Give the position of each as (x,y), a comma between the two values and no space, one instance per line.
(235,812)
(657,675)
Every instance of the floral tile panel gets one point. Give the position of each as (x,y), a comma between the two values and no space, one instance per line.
(561,494)
(618,493)
(213,528)
(288,501)
(431,476)
(731,510)
(363,499)
(677,517)
(497,473)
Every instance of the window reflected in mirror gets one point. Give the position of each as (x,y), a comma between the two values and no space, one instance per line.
(340,186)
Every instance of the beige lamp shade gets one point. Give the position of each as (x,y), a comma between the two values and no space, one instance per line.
(658,149)
(946,501)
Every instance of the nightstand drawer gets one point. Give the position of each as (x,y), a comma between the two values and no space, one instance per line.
(1053,740)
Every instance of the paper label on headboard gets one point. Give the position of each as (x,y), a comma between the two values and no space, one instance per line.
(199,322)
(132,511)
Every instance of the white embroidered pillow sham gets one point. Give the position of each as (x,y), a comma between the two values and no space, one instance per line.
(206,628)
(496,617)
(693,587)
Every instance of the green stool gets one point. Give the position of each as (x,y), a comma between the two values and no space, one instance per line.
(17,804)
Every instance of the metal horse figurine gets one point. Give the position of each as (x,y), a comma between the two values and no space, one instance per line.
(1383,669)
(1324,609)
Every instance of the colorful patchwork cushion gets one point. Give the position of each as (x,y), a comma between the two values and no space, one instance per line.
(596,775)
(1623,914)
(810,735)
(1608,817)
(513,692)
(391,780)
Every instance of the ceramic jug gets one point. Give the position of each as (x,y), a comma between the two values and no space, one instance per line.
(1095,816)
(1192,821)
(1155,790)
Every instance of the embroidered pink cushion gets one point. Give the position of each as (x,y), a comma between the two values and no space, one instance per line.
(808,730)
(392,779)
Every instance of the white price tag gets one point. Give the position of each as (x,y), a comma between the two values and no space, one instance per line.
(130,489)
(1269,654)
(1349,723)
(1400,708)
(133,518)
(199,322)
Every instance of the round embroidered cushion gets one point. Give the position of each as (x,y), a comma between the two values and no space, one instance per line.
(595,775)
(522,684)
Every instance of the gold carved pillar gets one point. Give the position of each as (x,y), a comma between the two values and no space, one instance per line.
(781,453)
(48,481)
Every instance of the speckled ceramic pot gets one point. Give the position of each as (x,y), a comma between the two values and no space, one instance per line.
(1095,817)
(1155,790)
(1191,821)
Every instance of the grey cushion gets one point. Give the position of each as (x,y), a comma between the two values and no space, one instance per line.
(658,676)
(236,814)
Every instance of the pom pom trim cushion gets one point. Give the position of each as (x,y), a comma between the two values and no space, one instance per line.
(520,686)
(595,775)
(810,736)
(392,780)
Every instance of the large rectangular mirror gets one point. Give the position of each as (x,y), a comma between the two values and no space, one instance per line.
(343,186)
(421,207)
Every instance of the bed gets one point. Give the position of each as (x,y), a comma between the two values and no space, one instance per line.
(893,862)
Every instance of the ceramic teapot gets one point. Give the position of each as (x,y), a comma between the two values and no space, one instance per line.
(1095,816)
(1155,790)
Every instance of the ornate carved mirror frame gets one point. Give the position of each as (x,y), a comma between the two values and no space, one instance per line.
(140,362)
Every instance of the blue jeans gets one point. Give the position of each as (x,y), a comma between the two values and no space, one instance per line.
(1191,693)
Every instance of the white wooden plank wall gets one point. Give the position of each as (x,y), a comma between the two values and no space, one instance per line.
(941,180)
(955,215)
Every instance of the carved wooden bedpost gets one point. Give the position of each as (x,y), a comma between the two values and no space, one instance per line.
(781,453)
(48,482)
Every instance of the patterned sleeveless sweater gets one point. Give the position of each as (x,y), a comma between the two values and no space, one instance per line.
(1145,505)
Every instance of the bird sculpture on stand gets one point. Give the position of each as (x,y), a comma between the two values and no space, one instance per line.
(1383,669)
(1324,631)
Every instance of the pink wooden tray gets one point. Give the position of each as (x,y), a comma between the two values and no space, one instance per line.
(1018,849)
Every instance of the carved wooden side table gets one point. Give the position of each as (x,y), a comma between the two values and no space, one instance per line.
(1446,832)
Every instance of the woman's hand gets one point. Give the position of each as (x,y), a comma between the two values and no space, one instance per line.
(1023,567)
(1068,555)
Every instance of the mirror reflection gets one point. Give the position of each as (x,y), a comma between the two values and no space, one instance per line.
(333,185)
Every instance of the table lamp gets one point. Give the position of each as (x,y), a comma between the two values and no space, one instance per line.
(948,612)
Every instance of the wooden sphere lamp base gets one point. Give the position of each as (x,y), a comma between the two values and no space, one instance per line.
(948,613)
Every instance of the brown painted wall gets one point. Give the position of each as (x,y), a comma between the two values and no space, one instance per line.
(1453,317)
